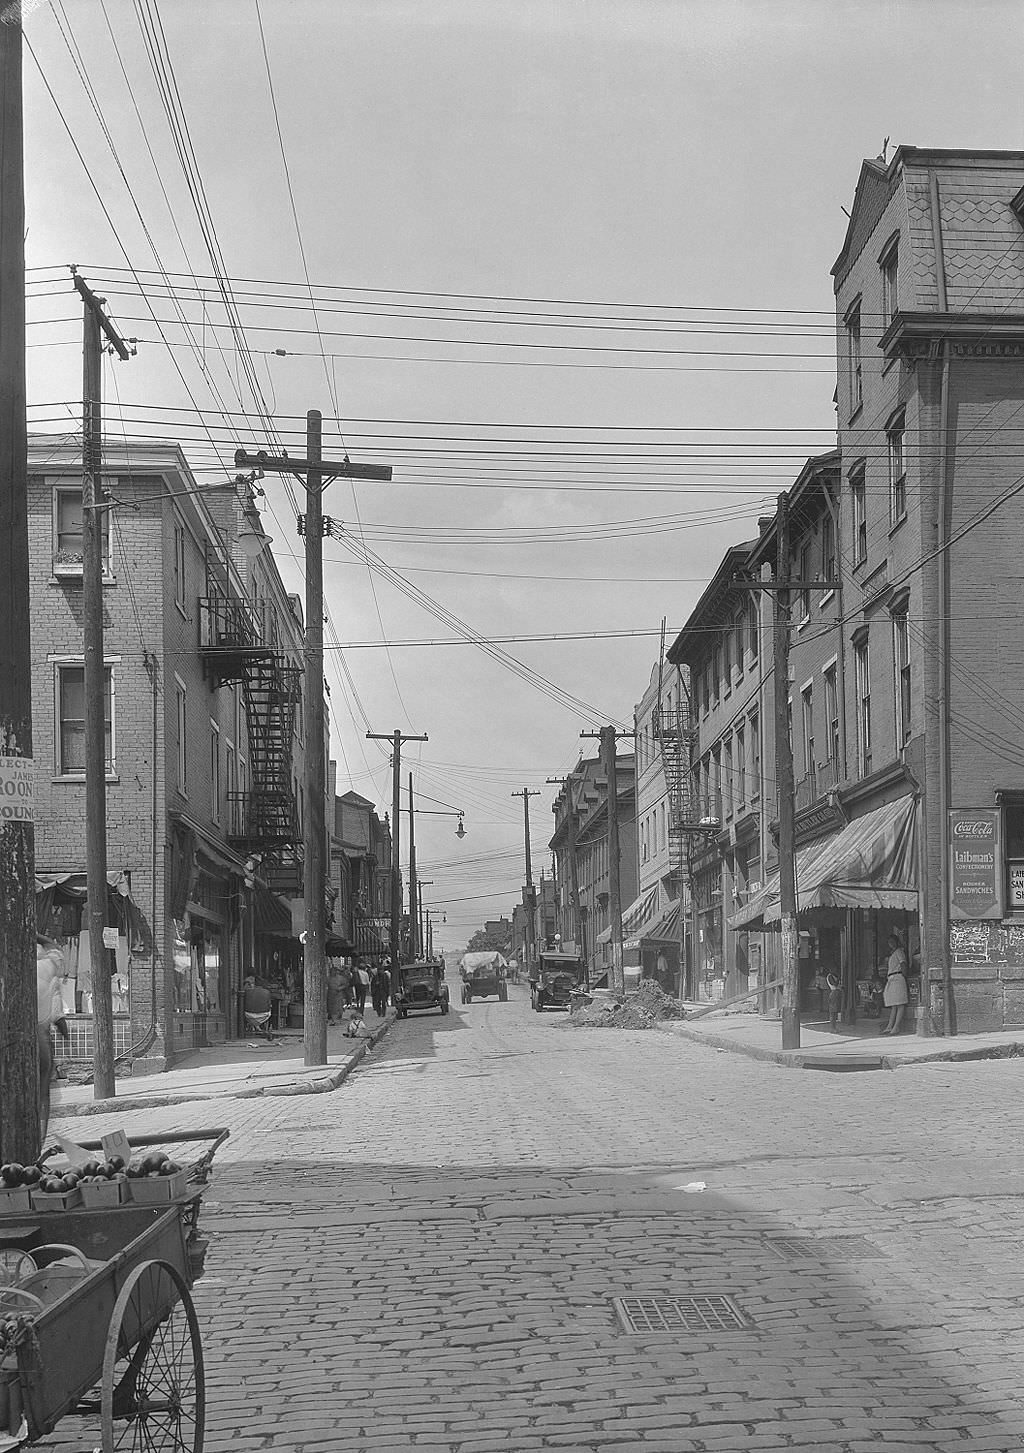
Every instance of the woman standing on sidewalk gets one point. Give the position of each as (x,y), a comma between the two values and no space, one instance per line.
(897,994)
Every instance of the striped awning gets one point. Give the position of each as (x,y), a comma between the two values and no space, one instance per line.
(870,863)
(635,916)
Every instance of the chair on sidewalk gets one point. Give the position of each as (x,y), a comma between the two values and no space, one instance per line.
(258,1023)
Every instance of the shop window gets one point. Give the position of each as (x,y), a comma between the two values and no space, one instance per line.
(1013,838)
(67,531)
(71,721)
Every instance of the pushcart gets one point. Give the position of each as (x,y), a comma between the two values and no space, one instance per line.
(101,1322)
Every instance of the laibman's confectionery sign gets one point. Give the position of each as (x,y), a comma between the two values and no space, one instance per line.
(975,863)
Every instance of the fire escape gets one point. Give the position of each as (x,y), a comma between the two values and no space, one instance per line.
(262,819)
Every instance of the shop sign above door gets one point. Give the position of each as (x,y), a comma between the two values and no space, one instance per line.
(975,863)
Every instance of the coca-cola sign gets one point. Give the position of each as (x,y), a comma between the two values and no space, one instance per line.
(975,863)
(973,827)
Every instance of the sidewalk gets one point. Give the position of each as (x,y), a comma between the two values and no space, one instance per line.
(851,1047)
(239,1070)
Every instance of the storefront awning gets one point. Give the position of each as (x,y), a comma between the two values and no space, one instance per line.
(870,863)
(633,917)
(663,929)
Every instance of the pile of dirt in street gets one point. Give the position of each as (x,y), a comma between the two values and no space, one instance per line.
(647,1007)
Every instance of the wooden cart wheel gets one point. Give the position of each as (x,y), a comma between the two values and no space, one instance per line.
(153,1395)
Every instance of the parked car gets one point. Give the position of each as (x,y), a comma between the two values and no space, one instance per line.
(483,974)
(420,986)
(553,980)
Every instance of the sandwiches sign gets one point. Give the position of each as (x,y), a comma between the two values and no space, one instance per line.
(976,863)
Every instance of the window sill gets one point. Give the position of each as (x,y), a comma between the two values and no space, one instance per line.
(802,622)
(72,575)
(855,415)
(859,565)
(894,358)
(181,608)
(78,778)
(897,524)
(823,602)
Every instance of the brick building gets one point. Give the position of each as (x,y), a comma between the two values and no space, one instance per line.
(581,817)
(721,647)
(203,652)
(360,876)
(907,678)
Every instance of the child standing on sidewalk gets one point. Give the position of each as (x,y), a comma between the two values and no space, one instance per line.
(835,999)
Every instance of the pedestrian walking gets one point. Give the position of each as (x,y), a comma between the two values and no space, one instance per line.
(383,986)
(335,994)
(897,993)
(360,985)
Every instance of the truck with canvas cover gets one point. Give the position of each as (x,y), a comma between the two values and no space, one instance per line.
(483,974)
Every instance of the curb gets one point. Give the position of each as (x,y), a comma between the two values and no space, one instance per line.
(797,1059)
(322,1085)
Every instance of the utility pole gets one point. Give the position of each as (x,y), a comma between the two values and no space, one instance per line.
(396,738)
(314,474)
(784,779)
(19,1055)
(415,933)
(97,326)
(424,915)
(526,794)
(608,737)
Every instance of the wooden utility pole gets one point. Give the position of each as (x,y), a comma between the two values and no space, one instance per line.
(415,933)
(19,1062)
(314,473)
(94,507)
(396,738)
(531,952)
(784,781)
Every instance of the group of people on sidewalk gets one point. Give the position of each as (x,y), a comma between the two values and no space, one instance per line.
(348,986)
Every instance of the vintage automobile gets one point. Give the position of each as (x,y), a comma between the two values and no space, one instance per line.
(420,986)
(483,974)
(554,978)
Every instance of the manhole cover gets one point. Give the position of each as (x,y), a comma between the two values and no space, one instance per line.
(680,1314)
(822,1248)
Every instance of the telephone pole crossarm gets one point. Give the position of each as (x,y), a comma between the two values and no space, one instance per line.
(284,464)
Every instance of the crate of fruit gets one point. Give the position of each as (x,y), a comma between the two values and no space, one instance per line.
(156,1179)
(16,1185)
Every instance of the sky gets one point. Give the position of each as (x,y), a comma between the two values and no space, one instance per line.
(563,264)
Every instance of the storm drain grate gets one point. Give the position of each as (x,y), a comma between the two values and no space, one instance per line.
(680,1314)
(821,1248)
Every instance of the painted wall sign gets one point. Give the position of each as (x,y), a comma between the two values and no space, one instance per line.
(976,863)
(16,789)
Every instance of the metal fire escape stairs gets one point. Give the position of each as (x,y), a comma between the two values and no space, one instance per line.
(264,818)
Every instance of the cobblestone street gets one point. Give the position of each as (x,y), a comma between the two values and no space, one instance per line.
(429,1257)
